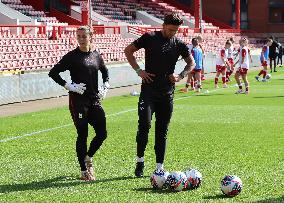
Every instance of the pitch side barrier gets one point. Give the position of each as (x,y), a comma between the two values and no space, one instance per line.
(37,85)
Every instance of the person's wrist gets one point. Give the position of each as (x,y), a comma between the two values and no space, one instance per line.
(138,71)
(67,86)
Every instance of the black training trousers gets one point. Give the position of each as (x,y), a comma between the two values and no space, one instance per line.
(279,60)
(150,102)
(272,59)
(85,111)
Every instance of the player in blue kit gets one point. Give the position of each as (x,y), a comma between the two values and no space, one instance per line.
(264,58)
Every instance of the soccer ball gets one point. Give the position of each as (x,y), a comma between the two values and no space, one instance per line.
(158,179)
(268,76)
(176,181)
(231,185)
(194,178)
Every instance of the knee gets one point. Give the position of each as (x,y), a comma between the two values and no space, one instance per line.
(103,135)
(162,130)
(144,126)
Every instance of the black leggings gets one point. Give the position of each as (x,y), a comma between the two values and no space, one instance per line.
(274,62)
(279,60)
(162,105)
(84,113)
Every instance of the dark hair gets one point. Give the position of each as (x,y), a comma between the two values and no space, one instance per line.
(229,42)
(173,19)
(86,28)
(194,41)
(232,39)
(268,40)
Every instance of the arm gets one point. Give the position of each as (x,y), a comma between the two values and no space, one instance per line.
(236,63)
(237,52)
(62,66)
(190,64)
(223,58)
(250,55)
(104,70)
(262,54)
(105,75)
(129,53)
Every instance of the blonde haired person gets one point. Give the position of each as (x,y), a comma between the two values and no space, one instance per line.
(244,64)
(84,96)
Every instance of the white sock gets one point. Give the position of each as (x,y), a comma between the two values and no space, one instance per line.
(140,159)
(160,166)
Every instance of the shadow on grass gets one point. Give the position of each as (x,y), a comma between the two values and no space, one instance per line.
(272,200)
(199,95)
(57,182)
(149,189)
(269,97)
(215,197)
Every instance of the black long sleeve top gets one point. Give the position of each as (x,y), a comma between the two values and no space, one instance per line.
(83,67)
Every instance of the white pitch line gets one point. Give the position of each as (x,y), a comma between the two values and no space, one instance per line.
(58,127)
(34,133)
(67,125)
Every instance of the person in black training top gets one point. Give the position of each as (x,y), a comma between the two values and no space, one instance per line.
(273,54)
(84,96)
(162,50)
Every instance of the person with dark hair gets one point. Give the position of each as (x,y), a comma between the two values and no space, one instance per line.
(280,54)
(202,47)
(222,64)
(244,64)
(191,75)
(195,74)
(263,59)
(84,96)
(273,52)
(231,52)
(162,50)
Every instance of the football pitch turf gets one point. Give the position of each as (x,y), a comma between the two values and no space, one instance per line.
(217,132)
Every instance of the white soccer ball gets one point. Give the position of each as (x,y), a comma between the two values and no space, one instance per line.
(134,93)
(158,179)
(176,181)
(194,178)
(268,76)
(231,185)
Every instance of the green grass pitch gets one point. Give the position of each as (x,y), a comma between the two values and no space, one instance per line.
(218,133)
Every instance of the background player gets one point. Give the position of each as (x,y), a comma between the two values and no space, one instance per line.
(222,64)
(264,58)
(242,70)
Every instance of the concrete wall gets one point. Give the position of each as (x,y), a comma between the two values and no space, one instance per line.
(13,14)
(148,19)
(32,86)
